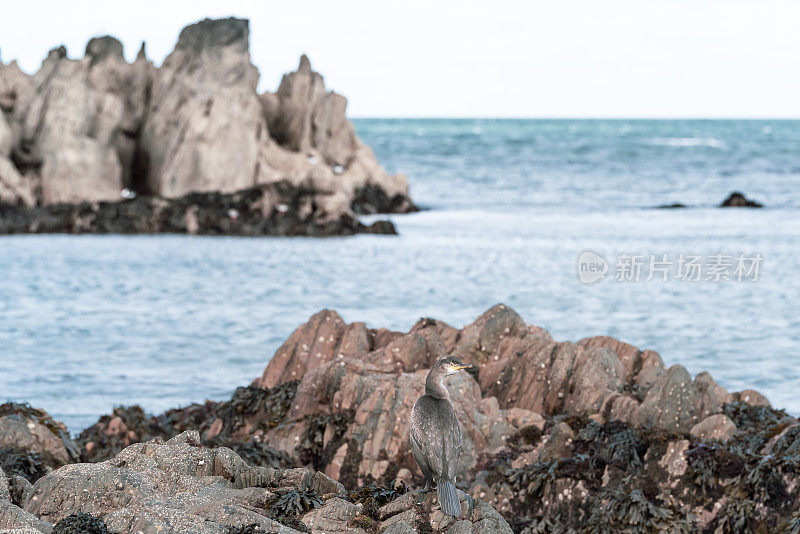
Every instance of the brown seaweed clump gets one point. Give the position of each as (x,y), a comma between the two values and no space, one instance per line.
(613,477)
(220,424)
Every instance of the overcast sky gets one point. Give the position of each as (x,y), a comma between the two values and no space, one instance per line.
(557,58)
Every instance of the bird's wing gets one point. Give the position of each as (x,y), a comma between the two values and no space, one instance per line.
(437,437)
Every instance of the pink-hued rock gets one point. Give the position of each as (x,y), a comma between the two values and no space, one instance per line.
(31,430)
(718,426)
(751,397)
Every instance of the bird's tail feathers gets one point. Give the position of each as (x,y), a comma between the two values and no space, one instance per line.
(448,498)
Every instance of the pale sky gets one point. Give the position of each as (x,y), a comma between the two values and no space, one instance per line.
(557,58)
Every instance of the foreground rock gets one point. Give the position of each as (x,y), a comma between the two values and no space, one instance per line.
(279,209)
(182,486)
(595,436)
(85,130)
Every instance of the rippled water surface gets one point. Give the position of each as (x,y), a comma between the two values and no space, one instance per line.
(89,322)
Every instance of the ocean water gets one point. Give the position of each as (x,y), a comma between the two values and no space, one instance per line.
(90,322)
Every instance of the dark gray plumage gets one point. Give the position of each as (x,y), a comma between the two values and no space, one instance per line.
(435,435)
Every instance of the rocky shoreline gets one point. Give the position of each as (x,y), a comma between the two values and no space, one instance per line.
(91,133)
(278,209)
(592,436)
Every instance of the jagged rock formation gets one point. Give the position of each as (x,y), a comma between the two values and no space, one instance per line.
(593,436)
(83,130)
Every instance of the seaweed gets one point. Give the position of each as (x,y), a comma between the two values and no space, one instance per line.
(615,443)
(711,462)
(735,516)
(534,480)
(28,465)
(312,448)
(632,511)
(256,453)
(293,503)
(791,524)
(757,424)
(529,435)
(373,496)
(247,529)
(764,479)
(80,523)
(261,408)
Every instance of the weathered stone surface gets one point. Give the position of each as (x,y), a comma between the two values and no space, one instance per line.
(174,486)
(205,92)
(305,119)
(672,403)
(718,426)
(481,338)
(15,520)
(5,494)
(752,398)
(74,125)
(334,516)
(25,431)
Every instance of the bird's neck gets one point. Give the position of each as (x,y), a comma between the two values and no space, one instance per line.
(434,386)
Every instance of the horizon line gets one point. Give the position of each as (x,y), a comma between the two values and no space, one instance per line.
(569,117)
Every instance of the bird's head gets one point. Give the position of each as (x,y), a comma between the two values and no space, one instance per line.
(451,365)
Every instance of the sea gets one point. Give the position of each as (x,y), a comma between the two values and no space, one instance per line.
(558,219)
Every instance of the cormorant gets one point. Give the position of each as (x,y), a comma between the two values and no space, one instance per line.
(435,434)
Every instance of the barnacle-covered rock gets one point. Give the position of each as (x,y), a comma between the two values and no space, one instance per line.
(175,486)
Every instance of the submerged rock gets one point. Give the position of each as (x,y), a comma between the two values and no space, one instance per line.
(83,130)
(738,200)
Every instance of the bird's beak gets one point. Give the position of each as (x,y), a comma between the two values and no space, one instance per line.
(463,366)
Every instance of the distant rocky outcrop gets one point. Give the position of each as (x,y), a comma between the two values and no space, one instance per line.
(83,130)
(738,200)
(734,200)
